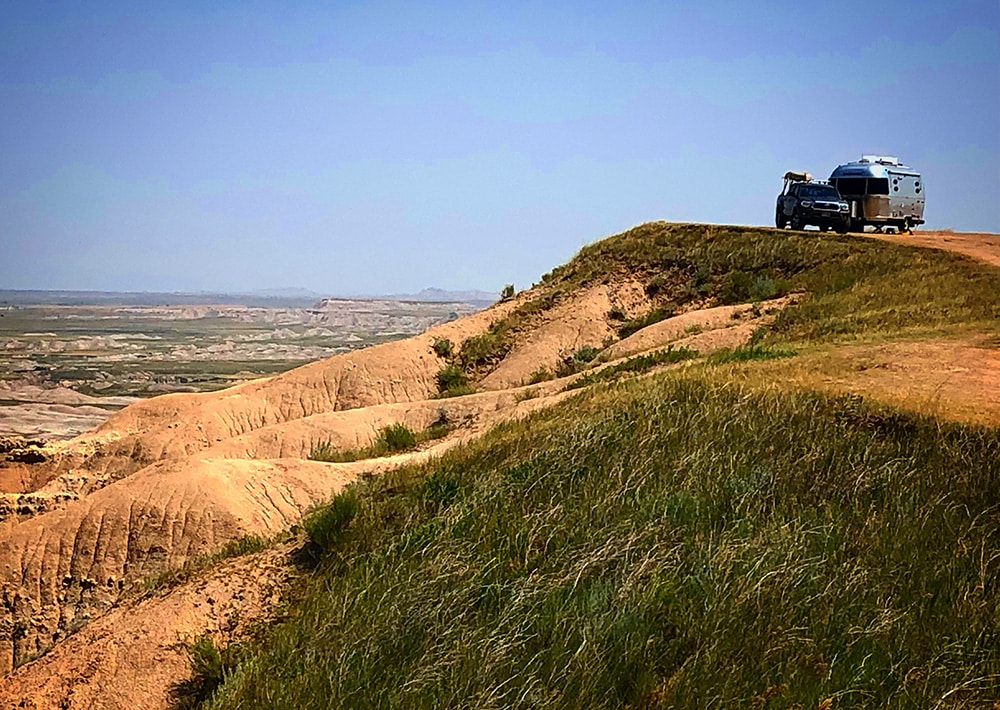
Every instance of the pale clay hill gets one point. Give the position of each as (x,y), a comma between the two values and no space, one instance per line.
(177,476)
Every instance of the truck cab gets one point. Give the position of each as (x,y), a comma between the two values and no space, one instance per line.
(803,201)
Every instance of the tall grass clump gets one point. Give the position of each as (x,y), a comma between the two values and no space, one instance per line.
(635,365)
(581,359)
(210,667)
(442,347)
(391,439)
(453,382)
(670,542)
(754,349)
(327,525)
(396,438)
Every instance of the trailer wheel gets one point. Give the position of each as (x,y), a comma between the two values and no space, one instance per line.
(906,227)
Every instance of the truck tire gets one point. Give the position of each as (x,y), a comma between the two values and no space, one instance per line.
(779,219)
(797,221)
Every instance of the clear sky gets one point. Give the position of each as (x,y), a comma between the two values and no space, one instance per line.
(383,147)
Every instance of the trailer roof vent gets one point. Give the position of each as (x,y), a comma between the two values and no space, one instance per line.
(880,159)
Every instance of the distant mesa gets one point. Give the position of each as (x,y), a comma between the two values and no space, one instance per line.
(472,297)
(437,295)
(289,292)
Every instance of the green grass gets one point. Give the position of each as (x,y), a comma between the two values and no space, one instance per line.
(542,374)
(581,359)
(442,347)
(659,543)
(452,381)
(392,439)
(856,287)
(888,291)
(486,349)
(634,365)
(209,669)
(396,438)
(754,349)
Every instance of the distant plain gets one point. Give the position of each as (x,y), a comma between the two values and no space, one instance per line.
(67,359)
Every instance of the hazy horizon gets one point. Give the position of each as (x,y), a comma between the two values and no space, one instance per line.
(385,148)
(288,294)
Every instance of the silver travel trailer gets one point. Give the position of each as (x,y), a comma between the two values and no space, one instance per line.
(881,193)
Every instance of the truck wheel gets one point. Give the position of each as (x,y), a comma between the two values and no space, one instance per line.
(797,221)
(823,228)
(844,227)
(779,220)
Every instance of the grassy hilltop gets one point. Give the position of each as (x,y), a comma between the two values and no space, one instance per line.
(705,536)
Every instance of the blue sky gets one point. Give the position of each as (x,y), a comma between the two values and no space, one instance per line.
(379,147)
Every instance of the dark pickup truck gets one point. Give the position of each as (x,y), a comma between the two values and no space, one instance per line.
(803,202)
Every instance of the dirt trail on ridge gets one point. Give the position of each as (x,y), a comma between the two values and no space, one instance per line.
(979,245)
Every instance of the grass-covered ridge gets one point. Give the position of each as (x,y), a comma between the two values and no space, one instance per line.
(856,287)
(674,542)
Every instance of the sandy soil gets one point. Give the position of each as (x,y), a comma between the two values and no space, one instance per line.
(954,380)
(53,412)
(52,421)
(176,476)
(578,322)
(61,569)
(133,656)
(981,246)
(703,330)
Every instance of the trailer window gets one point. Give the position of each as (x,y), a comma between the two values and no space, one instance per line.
(851,186)
(862,186)
(878,186)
